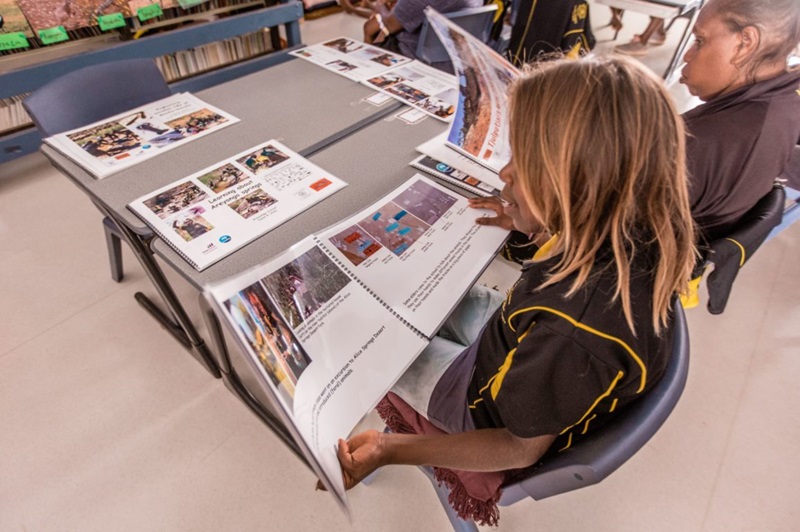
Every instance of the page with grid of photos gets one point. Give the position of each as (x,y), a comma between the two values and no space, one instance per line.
(480,126)
(418,249)
(421,86)
(212,213)
(350,58)
(121,141)
(321,347)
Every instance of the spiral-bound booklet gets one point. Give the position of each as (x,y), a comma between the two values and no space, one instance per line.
(212,213)
(480,127)
(332,323)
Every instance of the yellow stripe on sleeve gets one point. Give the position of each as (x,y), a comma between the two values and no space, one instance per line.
(596,402)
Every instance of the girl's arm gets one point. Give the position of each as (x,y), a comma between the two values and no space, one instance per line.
(478,450)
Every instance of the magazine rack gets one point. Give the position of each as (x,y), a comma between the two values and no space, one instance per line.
(27,79)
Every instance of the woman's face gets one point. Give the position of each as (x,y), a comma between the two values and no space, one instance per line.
(710,70)
(516,207)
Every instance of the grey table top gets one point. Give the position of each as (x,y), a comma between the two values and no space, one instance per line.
(296,102)
(372,161)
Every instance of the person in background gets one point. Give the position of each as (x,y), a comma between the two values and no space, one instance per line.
(395,26)
(743,136)
(586,329)
(655,34)
(544,27)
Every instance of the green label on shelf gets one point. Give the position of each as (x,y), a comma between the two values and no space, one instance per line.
(148,12)
(186,4)
(12,41)
(53,35)
(109,22)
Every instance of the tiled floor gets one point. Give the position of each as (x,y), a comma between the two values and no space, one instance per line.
(106,424)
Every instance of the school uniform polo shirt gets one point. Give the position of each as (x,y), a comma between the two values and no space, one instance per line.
(548,364)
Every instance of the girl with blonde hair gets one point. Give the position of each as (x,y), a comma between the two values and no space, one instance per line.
(586,328)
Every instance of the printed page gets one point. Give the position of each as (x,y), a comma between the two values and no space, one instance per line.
(418,249)
(219,209)
(480,127)
(437,148)
(421,86)
(121,141)
(323,347)
(350,58)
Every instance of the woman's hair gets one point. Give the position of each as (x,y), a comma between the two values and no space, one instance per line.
(598,150)
(777,23)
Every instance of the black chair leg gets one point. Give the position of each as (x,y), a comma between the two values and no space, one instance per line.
(114,245)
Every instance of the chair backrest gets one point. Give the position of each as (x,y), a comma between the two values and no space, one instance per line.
(729,254)
(591,460)
(476,21)
(93,93)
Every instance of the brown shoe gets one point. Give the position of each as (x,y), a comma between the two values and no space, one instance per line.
(634,48)
(658,38)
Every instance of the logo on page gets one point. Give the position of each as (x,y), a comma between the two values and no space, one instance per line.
(319,185)
(224,239)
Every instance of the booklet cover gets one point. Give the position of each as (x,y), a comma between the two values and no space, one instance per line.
(421,86)
(322,325)
(119,142)
(216,211)
(480,127)
(350,58)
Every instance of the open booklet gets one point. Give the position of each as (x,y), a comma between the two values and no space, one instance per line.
(350,58)
(421,86)
(480,127)
(212,213)
(120,141)
(331,324)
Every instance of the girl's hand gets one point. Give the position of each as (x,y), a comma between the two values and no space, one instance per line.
(502,220)
(359,456)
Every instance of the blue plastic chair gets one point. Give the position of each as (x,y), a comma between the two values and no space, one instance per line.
(593,459)
(89,95)
(476,21)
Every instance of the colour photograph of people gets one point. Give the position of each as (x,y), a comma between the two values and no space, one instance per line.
(196,122)
(106,140)
(252,204)
(223,178)
(191,224)
(262,160)
(344,46)
(176,199)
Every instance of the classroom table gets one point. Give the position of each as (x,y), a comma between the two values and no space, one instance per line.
(296,102)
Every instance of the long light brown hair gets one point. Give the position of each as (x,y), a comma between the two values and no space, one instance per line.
(599,151)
